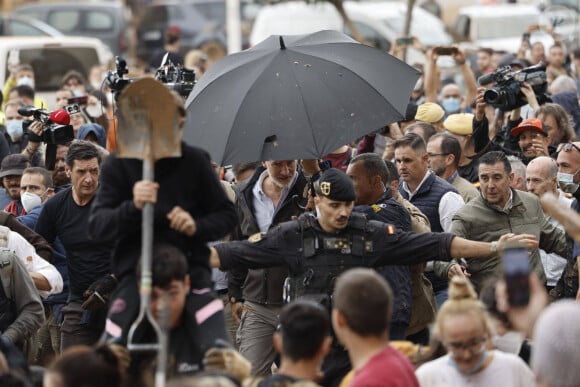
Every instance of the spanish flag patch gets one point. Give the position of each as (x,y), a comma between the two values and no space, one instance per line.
(390,229)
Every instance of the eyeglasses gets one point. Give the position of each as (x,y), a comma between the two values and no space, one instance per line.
(474,347)
(437,154)
(567,147)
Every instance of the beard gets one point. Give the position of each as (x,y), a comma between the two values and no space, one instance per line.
(279,183)
(59,178)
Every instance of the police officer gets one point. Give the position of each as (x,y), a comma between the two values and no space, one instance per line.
(317,249)
(369,175)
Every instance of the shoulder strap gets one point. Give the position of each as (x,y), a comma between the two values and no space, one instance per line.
(357,220)
(309,240)
(6,257)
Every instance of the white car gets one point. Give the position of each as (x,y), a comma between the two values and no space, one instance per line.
(378,22)
(499,27)
(51,58)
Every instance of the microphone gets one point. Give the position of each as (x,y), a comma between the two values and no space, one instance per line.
(27,111)
(60,117)
(486,79)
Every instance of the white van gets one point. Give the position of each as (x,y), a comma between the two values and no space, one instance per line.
(499,27)
(51,58)
(378,22)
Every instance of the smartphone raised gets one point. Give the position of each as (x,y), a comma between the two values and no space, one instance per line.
(526,37)
(516,267)
(446,50)
(78,100)
(404,40)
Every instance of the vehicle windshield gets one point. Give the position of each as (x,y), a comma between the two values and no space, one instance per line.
(50,64)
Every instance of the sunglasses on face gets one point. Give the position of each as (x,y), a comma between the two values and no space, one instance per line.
(567,147)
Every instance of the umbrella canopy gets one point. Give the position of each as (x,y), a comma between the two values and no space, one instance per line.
(295,97)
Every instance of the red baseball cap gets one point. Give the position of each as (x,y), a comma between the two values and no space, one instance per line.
(173,30)
(534,124)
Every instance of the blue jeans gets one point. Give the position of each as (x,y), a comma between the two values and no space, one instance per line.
(440,297)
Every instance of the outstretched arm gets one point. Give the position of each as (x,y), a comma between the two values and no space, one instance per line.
(464,248)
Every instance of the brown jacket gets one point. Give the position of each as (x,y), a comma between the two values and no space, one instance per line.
(424,305)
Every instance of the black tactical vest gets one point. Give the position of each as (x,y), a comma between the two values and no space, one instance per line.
(326,257)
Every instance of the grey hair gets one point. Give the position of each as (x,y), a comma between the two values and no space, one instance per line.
(555,357)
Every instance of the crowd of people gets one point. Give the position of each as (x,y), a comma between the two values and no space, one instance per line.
(378,265)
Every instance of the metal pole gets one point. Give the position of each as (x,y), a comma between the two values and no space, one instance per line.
(233,26)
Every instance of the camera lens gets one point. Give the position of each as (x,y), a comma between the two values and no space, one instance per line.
(491,96)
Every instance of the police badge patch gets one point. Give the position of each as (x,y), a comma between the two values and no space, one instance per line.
(257,237)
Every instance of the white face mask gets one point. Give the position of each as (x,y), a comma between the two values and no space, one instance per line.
(30,201)
(95,110)
(317,212)
(566,182)
(26,81)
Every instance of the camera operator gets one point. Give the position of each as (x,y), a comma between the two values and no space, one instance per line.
(527,139)
(16,137)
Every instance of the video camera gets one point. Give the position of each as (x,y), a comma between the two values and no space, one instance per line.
(174,77)
(56,128)
(506,94)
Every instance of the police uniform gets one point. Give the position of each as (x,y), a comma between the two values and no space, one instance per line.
(388,210)
(315,258)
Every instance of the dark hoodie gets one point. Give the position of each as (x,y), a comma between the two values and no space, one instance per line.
(97,130)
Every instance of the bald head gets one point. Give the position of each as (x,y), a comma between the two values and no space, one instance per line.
(450,90)
(541,176)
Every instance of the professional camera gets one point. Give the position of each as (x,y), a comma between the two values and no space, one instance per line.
(506,94)
(55,125)
(174,77)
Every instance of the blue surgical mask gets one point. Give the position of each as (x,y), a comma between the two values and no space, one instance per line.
(566,182)
(14,128)
(451,105)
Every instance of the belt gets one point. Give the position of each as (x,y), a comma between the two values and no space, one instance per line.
(221,292)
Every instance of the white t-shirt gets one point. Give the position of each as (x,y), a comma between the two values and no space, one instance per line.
(505,369)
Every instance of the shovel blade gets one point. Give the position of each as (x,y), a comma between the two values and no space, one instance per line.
(148,122)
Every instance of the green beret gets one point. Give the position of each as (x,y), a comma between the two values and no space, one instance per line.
(336,185)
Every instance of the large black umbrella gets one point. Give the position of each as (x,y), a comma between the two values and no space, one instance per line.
(298,96)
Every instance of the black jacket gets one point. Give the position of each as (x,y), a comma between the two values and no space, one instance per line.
(482,144)
(388,210)
(189,182)
(263,286)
